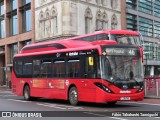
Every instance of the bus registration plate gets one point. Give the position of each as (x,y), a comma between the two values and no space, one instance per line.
(125,98)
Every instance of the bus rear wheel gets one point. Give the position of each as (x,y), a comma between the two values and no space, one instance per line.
(73,96)
(26,93)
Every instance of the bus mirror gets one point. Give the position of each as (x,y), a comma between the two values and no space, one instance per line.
(91,62)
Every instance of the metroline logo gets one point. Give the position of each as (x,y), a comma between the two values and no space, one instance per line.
(126,91)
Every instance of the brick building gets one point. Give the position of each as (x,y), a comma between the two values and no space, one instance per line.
(16,30)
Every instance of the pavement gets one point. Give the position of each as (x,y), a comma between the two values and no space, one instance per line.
(4,88)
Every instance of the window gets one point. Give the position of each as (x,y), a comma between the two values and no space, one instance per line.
(114,22)
(27,69)
(131,22)
(1,7)
(73,68)
(59,69)
(98,25)
(13,51)
(131,4)
(146,26)
(145,6)
(13,4)
(46,69)
(87,25)
(26,16)
(26,1)
(88,18)
(99,20)
(18,67)
(42,24)
(149,49)
(157,29)
(37,68)
(54,23)
(2,28)
(90,67)
(13,25)
(27,24)
(157,8)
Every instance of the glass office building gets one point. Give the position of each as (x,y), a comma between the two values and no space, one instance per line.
(144,16)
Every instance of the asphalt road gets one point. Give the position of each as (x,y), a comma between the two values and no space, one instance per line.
(48,109)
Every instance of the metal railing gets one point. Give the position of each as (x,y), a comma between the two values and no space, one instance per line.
(152,86)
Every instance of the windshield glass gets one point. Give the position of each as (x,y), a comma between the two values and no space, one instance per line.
(122,68)
(126,39)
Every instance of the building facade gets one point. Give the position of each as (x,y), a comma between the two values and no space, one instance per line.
(16,30)
(65,18)
(144,16)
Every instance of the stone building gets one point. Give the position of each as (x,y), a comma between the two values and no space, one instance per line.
(58,19)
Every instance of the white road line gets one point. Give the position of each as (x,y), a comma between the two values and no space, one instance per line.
(95,114)
(7,95)
(118,118)
(53,106)
(18,100)
(143,103)
(65,106)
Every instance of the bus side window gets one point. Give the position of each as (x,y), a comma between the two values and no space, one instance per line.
(59,69)
(90,67)
(27,69)
(36,68)
(18,67)
(46,69)
(73,68)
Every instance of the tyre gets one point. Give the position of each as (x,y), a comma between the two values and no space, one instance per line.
(73,96)
(26,93)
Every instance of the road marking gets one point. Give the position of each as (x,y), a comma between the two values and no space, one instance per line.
(95,114)
(118,118)
(61,106)
(18,100)
(7,95)
(144,103)
(53,106)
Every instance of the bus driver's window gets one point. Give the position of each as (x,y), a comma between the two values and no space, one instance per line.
(90,67)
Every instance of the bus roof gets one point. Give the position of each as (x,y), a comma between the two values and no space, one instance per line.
(54,45)
(126,32)
(92,47)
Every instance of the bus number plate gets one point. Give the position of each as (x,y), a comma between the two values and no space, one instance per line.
(125,98)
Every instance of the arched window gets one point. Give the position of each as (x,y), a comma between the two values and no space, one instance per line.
(114,22)
(41,24)
(47,23)
(54,23)
(114,4)
(88,19)
(104,21)
(99,21)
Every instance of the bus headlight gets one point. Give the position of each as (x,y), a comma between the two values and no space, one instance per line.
(103,87)
(140,89)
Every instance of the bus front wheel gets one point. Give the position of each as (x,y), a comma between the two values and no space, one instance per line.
(73,96)
(26,93)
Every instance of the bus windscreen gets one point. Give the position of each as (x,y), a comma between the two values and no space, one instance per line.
(126,39)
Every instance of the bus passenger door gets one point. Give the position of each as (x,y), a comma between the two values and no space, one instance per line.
(88,90)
